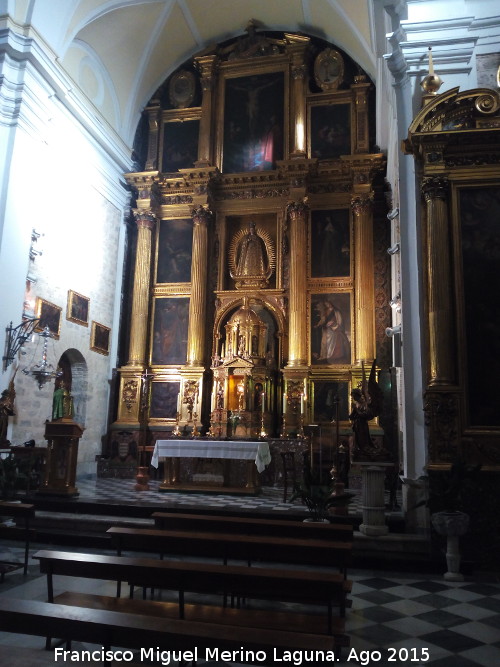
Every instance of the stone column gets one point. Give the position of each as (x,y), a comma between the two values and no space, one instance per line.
(140,299)
(373,500)
(197,303)
(364,279)
(297,220)
(206,67)
(440,311)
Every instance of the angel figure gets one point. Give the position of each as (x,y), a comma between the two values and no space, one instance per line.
(367,404)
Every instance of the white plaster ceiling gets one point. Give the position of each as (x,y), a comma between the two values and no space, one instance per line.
(119,51)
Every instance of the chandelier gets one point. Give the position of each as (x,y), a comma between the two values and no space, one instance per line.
(43,372)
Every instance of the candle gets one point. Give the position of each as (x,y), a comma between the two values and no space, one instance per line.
(431,64)
(284,403)
(179,403)
(263,400)
(302,404)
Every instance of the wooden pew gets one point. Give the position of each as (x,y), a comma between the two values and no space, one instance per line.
(136,631)
(253,526)
(231,546)
(320,588)
(24,511)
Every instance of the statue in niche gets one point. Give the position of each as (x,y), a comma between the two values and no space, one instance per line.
(251,257)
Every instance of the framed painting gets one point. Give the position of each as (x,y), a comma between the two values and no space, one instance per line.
(254,129)
(180,144)
(175,241)
(170,327)
(329,130)
(78,308)
(100,338)
(479,211)
(49,315)
(163,404)
(330,244)
(330,333)
(331,401)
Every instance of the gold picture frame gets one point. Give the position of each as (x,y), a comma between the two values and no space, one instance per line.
(49,315)
(100,337)
(78,308)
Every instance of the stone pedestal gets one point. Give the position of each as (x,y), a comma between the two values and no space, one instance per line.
(373,500)
(63,436)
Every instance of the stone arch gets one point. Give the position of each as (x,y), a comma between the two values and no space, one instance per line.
(74,362)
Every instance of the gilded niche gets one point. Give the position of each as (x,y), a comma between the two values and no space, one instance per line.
(251,257)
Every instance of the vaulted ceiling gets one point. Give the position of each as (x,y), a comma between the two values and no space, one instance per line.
(119,51)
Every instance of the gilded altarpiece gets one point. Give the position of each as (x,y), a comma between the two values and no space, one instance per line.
(258,245)
(455,140)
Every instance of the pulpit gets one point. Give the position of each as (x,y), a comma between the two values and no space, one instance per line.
(62,436)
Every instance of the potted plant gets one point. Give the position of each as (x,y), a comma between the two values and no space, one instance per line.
(445,505)
(317,496)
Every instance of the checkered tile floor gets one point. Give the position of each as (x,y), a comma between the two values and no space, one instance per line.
(395,619)
(121,491)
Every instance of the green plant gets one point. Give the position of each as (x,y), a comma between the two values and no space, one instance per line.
(317,496)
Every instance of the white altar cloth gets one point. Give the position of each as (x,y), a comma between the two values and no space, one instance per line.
(213,449)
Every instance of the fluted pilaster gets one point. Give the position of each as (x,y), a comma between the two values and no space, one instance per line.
(365,280)
(297,221)
(140,299)
(440,312)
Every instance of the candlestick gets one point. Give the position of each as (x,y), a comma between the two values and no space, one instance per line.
(431,64)
(302,404)
(284,403)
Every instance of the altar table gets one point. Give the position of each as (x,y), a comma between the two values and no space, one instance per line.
(256,453)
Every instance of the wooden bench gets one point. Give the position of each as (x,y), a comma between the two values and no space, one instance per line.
(319,588)
(137,631)
(23,511)
(253,526)
(230,546)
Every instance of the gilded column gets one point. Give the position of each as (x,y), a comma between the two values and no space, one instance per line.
(297,49)
(364,279)
(197,303)
(153,112)
(140,299)
(297,219)
(206,67)
(439,302)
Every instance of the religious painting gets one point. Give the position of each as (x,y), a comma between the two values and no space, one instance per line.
(170,327)
(480,250)
(175,241)
(49,315)
(100,338)
(331,401)
(330,244)
(163,404)
(330,130)
(180,145)
(254,131)
(330,329)
(78,308)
